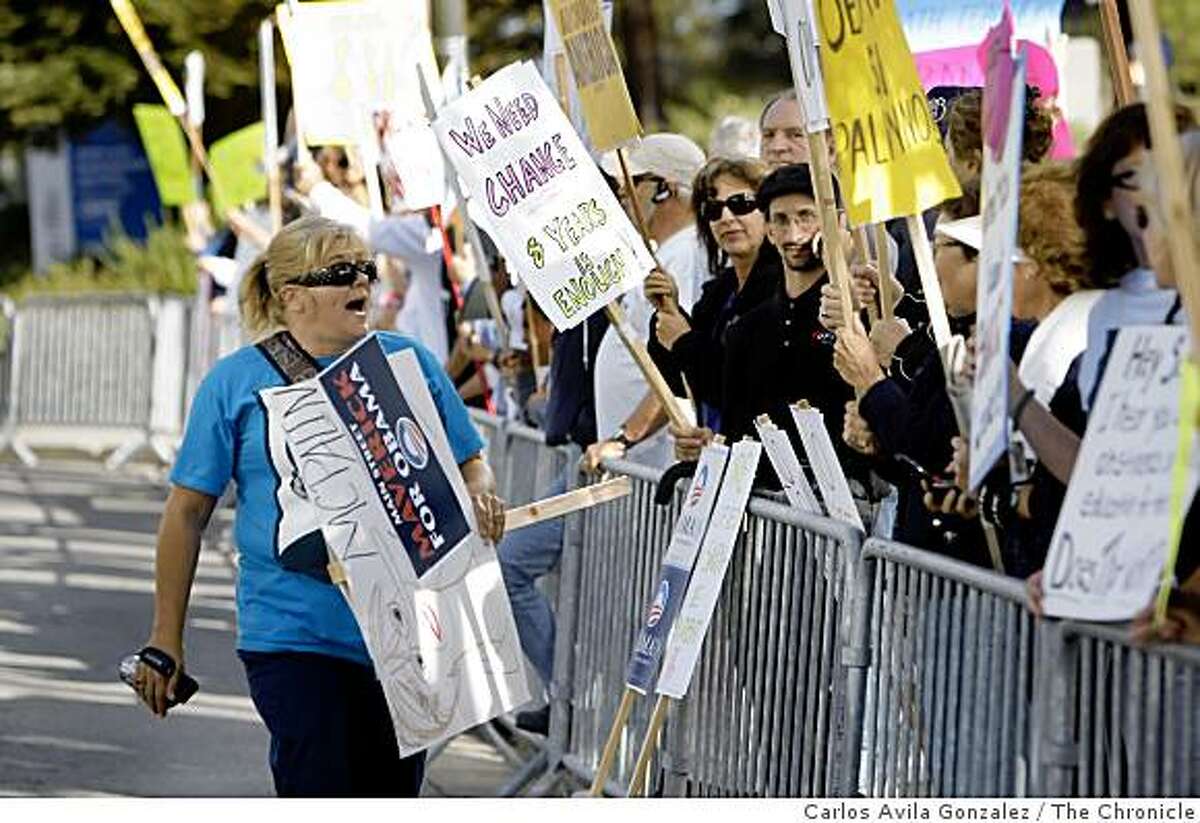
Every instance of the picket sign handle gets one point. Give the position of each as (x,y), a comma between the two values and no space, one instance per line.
(883,255)
(637,349)
(266,79)
(637,783)
(862,252)
(929,280)
(1118,58)
(834,254)
(561,505)
(614,739)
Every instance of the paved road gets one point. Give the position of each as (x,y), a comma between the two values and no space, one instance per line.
(76,587)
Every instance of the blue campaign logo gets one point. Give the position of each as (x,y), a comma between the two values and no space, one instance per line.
(648,650)
(700,484)
(659,605)
(413,444)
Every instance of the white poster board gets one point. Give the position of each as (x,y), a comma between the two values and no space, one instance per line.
(694,517)
(787,467)
(349,59)
(684,644)
(556,221)
(800,30)
(831,480)
(1111,539)
(994,286)
(364,463)
(411,162)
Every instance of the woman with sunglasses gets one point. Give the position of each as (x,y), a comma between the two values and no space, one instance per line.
(746,271)
(309,673)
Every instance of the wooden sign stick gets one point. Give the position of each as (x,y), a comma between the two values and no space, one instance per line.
(883,255)
(637,782)
(563,504)
(1118,58)
(835,256)
(862,252)
(923,252)
(609,755)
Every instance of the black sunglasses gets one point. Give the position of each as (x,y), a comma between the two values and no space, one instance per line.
(344,273)
(739,205)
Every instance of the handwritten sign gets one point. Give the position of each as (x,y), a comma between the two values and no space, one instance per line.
(994,286)
(167,153)
(889,150)
(831,480)
(684,644)
(1111,540)
(555,220)
(362,456)
(677,567)
(799,27)
(599,80)
(787,466)
(237,168)
(349,59)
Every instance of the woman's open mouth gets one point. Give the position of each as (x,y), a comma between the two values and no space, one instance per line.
(358,305)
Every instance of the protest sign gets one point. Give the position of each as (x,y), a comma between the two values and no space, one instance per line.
(237,168)
(1111,539)
(787,466)
(676,567)
(368,480)
(167,153)
(831,480)
(940,24)
(1184,472)
(141,43)
(889,150)
(1004,105)
(411,163)
(556,71)
(800,30)
(354,57)
(683,646)
(556,221)
(607,108)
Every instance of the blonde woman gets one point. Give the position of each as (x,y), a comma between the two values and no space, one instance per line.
(309,673)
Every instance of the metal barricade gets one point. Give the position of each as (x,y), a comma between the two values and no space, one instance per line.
(1117,720)
(950,684)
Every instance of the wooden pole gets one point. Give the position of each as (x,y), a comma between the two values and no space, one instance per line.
(862,252)
(637,349)
(535,354)
(266,79)
(637,783)
(929,281)
(883,255)
(1118,58)
(609,756)
(831,235)
(563,504)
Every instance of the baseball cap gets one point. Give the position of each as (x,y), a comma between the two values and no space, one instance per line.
(670,156)
(969,232)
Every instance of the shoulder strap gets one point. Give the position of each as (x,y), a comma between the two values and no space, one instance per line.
(288,357)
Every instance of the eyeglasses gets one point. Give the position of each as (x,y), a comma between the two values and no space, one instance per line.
(344,273)
(739,205)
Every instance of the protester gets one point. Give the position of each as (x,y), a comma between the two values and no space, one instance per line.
(628,414)
(310,676)
(784,137)
(689,349)
(964,133)
(734,136)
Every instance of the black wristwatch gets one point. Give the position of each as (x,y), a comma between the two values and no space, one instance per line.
(623,439)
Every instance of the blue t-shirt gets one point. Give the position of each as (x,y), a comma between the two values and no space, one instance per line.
(278,609)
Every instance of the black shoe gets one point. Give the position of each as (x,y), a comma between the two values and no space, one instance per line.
(536,721)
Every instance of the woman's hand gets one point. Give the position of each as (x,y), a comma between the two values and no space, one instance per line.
(857,433)
(1035,593)
(489,514)
(660,289)
(598,452)
(1181,625)
(886,337)
(669,328)
(152,688)
(854,357)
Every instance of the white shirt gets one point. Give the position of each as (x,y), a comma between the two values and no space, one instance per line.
(1137,301)
(1055,343)
(619,384)
(423,315)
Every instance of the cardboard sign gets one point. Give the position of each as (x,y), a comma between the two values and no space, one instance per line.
(411,163)
(555,220)
(361,455)
(684,644)
(831,480)
(609,112)
(141,43)
(889,150)
(556,70)
(994,286)
(801,32)
(349,59)
(237,168)
(1111,540)
(677,567)
(787,467)
(167,152)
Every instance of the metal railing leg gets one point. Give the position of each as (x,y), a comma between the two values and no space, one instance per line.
(1056,751)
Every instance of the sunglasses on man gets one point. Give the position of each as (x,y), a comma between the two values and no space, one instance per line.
(344,273)
(739,206)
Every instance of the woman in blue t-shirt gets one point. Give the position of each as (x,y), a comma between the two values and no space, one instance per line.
(310,677)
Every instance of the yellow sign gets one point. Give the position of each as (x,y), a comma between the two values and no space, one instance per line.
(1189,420)
(137,35)
(167,153)
(237,168)
(611,120)
(889,151)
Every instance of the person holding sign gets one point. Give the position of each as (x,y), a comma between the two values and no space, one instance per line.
(746,272)
(310,675)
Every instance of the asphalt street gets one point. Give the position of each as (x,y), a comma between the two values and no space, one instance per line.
(76,590)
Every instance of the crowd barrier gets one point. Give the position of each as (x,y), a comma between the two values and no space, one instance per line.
(834,668)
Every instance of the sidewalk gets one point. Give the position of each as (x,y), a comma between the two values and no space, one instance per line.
(76,589)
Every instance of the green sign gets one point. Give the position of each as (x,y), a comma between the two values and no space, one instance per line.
(167,152)
(237,168)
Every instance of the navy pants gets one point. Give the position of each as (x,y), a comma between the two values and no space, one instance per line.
(331,732)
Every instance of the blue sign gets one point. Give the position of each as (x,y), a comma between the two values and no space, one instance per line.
(111,184)
(648,650)
(941,24)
